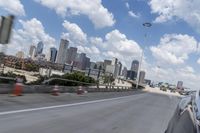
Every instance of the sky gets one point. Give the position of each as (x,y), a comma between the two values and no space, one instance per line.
(114,28)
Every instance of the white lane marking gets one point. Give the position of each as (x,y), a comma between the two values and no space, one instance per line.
(60,106)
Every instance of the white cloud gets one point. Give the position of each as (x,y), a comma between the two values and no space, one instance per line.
(89,50)
(12,6)
(118,42)
(127,5)
(132,14)
(174,48)
(96,12)
(198,61)
(32,32)
(187,10)
(74,33)
(117,45)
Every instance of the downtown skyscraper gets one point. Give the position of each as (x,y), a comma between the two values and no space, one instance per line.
(71,55)
(53,54)
(135,65)
(39,48)
(32,51)
(62,52)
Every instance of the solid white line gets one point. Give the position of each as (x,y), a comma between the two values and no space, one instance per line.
(61,106)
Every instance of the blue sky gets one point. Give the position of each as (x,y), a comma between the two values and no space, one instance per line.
(113,28)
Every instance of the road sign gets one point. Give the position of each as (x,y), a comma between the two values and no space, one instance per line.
(5,29)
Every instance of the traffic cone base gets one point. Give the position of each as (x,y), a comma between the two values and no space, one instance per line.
(55,91)
(17,90)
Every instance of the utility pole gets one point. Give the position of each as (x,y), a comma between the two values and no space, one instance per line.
(146,25)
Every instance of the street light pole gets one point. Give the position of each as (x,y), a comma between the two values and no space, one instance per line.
(146,25)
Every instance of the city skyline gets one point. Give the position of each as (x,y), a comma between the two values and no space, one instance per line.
(82,62)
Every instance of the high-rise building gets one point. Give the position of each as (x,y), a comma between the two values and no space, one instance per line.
(107,62)
(110,69)
(20,54)
(93,65)
(135,65)
(71,55)
(32,51)
(114,61)
(114,68)
(100,64)
(180,85)
(132,75)
(141,77)
(39,48)
(120,68)
(53,54)
(81,61)
(62,52)
(124,72)
(87,62)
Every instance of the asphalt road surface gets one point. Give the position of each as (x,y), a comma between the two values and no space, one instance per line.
(141,113)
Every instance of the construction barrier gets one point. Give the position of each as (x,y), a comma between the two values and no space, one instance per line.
(17,91)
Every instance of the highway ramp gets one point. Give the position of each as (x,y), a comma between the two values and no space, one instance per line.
(141,113)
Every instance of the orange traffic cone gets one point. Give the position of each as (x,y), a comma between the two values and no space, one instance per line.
(17,90)
(55,91)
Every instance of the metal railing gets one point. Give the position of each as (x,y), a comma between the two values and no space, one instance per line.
(68,80)
(8,78)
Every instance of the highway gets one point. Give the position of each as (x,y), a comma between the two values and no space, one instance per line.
(140,113)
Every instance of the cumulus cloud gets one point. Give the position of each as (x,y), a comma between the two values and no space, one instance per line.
(31,33)
(127,5)
(187,10)
(74,33)
(132,14)
(198,61)
(174,48)
(12,6)
(96,12)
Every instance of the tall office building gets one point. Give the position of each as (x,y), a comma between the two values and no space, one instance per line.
(62,52)
(141,77)
(114,68)
(71,54)
(87,62)
(114,61)
(32,51)
(39,48)
(132,75)
(107,62)
(120,68)
(53,54)
(124,72)
(100,64)
(81,61)
(135,65)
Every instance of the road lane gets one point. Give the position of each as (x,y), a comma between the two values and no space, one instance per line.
(141,113)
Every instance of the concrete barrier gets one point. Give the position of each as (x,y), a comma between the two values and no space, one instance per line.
(8,88)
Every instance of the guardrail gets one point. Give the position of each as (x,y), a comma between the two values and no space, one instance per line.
(68,80)
(8,88)
(8,78)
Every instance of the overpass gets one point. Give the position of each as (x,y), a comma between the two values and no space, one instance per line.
(133,82)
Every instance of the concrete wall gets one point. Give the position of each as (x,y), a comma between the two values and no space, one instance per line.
(7,88)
